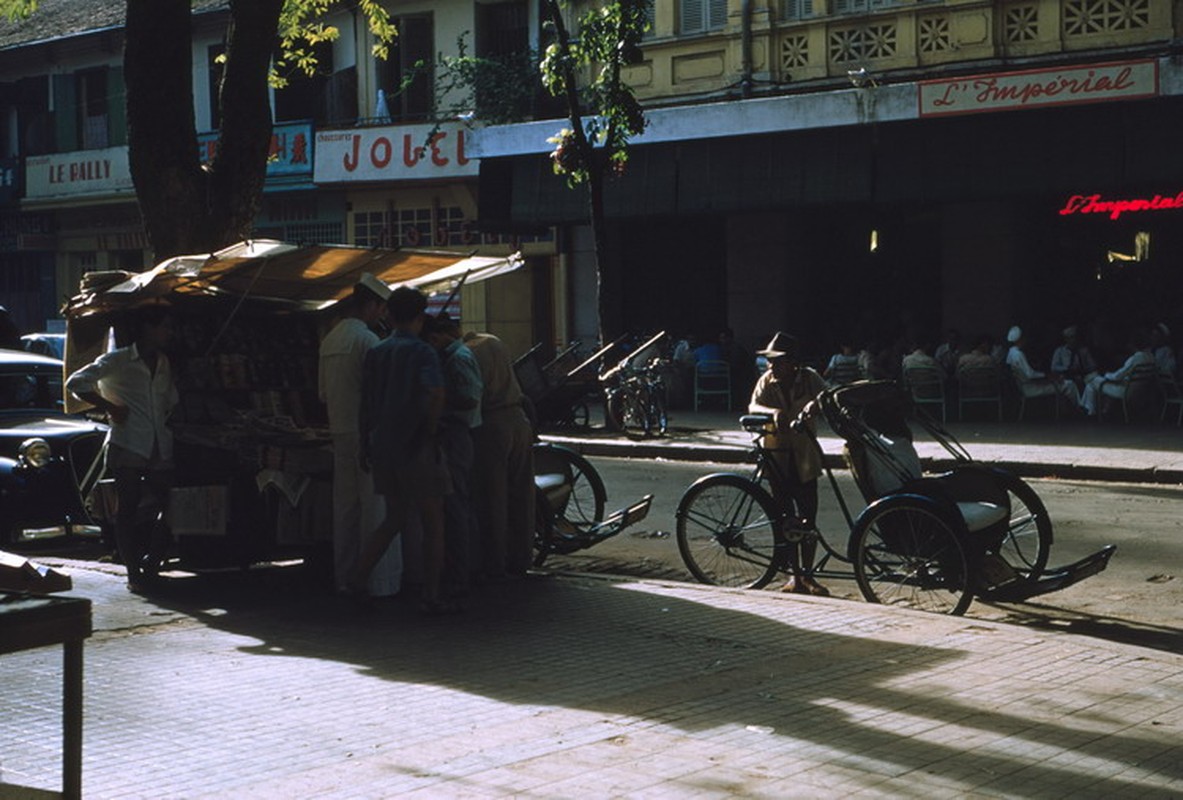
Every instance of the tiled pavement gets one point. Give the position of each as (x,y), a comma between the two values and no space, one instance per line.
(249,686)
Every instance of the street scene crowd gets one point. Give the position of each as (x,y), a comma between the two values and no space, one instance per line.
(432,480)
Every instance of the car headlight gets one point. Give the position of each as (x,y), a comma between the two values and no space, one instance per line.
(35,452)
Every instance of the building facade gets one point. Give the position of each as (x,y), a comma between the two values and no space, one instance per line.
(883,171)
(874,170)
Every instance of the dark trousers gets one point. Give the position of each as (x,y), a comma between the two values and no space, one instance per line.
(459,517)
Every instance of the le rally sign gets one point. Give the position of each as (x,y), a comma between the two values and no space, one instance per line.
(393,153)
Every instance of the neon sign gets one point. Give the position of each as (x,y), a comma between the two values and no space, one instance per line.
(1095,204)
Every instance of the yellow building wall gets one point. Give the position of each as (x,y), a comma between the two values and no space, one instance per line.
(907,36)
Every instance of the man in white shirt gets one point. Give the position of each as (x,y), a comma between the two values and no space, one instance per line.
(1072,360)
(1114,384)
(1032,382)
(357,508)
(134,386)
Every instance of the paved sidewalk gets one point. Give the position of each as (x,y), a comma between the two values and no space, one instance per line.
(245,685)
(1076,449)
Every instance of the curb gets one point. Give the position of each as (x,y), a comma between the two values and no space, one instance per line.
(729,454)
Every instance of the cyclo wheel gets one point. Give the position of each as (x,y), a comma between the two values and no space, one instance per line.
(582,501)
(726,532)
(1028,538)
(905,552)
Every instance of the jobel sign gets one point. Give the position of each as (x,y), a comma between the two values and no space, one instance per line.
(1008,91)
(393,153)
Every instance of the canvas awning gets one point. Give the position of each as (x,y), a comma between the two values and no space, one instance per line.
(298,276)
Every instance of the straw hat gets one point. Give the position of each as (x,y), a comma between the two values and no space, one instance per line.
(782,346)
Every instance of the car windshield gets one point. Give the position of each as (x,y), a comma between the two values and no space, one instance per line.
(31,387)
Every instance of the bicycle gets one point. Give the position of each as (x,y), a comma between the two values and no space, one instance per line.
(634,399)
(932,543)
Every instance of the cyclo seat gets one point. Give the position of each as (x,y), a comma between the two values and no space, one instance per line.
(891,465)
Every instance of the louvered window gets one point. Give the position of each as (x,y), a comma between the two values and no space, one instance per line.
(857,6)
(798,9)
(702,15)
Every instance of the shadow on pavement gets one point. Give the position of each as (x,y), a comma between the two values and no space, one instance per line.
(683,658)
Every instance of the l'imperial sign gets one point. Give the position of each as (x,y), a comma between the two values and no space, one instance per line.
(1095,204)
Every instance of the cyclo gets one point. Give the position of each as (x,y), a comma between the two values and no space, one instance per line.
(927,542)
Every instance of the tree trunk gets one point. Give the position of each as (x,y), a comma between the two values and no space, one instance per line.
(188,208)
(594,169)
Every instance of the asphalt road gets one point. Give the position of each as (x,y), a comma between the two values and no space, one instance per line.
(1136,600)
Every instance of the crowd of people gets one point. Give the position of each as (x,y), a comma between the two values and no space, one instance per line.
(443,473)
(433,486)
(1068,369)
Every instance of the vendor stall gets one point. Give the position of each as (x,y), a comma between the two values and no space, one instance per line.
(254,464)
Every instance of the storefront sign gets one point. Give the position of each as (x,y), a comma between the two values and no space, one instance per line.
(290,154)
(1039,88)
(396,153)
(84,172)
(1095,204)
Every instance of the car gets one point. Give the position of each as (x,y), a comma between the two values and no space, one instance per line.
(49,460)
(45,344)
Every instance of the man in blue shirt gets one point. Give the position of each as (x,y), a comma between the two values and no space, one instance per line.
(402,399)
(462,414)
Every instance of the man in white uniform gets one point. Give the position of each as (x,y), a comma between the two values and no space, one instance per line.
(357,509)
(1032,382)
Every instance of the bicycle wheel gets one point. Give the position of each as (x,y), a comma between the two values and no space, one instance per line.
(659,419)
(635,413)
(726,532)
(1028,538)
(582,497)
(906,553)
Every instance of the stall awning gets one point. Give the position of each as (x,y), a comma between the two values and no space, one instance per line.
(299,276)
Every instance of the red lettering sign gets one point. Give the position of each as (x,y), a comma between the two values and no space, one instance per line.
(1095,204)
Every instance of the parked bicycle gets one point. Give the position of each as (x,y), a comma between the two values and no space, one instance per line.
(635,392)
(932,543)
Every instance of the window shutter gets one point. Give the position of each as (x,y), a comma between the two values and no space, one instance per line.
(116,107)
(718,14)
(692,16)
(65,113)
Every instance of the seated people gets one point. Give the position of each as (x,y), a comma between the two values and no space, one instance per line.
(920,357)
(981,355)
(843,367)
(1031,382)
(1072,360)
(949,352)
(1112,384)
(1160,348)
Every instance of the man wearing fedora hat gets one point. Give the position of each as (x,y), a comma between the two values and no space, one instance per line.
(783,391)
(357,509)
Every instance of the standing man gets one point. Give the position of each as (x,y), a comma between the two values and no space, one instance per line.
(503,475)
(402,399)
(462,414)
(134,386)
(783,391)
(357,508)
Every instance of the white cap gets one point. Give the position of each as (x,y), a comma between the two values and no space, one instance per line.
(1014,334)
(374,285)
